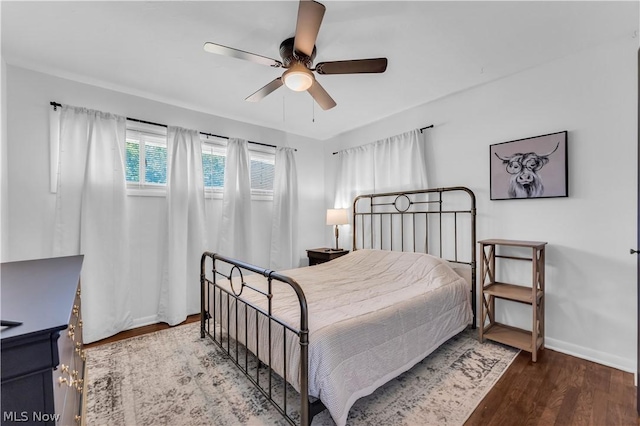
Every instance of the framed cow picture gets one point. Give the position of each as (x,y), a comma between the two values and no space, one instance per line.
(535,167)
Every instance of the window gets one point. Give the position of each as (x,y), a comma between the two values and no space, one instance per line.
(262,172)
(146,156)
(213,161)
(146,161)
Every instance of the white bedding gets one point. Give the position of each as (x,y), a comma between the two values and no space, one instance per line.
(372,315)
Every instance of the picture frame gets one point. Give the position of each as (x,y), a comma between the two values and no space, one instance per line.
(534,167)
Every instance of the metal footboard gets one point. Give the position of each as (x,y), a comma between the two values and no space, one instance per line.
(217,300)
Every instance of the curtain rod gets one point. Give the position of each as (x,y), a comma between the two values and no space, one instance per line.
(56,105)
(421,129)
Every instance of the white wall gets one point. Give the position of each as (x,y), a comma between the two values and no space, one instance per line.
(30,208)
(591,278)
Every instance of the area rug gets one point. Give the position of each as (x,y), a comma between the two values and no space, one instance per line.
(172,377)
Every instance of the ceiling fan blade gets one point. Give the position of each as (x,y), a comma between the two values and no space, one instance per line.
(321,96)
(241,54)
(263,92)
(356,66)
(310,15)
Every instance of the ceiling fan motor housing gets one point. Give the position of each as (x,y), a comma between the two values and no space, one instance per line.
(289,56)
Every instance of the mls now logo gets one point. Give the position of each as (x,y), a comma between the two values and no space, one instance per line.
(23,416)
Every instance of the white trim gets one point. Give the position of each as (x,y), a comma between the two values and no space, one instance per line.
(212,194)
(261,197)
(133,190)
(599,357)
(139,191)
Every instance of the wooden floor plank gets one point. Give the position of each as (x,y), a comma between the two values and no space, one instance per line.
(582,412)
(566,410)
(543,371)
(563,390)
(486,410)
(599,409)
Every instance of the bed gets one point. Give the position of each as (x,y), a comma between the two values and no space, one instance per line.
(339,330)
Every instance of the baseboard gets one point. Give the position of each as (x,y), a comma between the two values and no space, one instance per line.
(599,357)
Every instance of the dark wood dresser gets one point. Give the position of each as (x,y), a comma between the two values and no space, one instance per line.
(42,358)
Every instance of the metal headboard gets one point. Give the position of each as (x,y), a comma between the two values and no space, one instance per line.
(439,221)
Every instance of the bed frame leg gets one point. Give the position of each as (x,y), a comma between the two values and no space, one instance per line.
(315,407)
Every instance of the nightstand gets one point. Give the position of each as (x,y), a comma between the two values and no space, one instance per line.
(321,255)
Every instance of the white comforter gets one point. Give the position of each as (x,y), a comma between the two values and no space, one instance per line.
(372,315)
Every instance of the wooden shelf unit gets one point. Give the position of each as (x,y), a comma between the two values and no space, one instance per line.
(530,341)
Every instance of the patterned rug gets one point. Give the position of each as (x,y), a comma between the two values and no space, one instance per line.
(172,377)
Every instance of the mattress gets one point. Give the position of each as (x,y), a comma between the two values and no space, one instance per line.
(373,314)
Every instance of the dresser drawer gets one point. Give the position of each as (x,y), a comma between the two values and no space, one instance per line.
(68,378)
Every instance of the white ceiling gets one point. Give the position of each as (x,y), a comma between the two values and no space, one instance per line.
(154,49)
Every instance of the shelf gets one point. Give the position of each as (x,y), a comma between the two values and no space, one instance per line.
(513,243)
(513,292)
(512,336)
(532,295)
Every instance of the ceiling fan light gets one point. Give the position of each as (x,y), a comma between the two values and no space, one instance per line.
(298,78)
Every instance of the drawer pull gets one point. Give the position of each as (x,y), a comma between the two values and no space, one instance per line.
(78,419)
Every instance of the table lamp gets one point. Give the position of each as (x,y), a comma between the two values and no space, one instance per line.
(337,217)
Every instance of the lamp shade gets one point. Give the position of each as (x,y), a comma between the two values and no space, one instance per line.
(337,217)
(298,78)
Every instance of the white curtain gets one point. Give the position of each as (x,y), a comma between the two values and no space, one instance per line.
(355,175)
(186,231)
(400,163)
(397,163)
(91,215)
(284,229)
(235,237)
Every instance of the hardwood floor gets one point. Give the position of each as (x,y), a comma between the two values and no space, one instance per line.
(557,390)
(140,331)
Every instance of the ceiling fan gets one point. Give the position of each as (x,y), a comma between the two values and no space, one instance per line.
(297,54)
